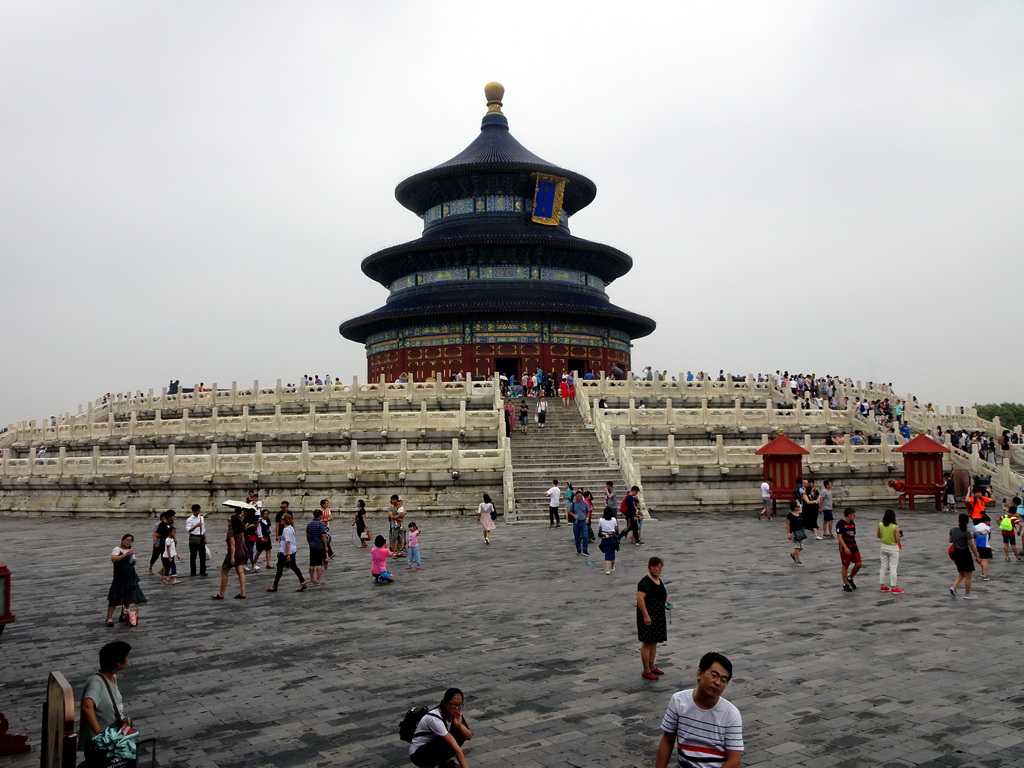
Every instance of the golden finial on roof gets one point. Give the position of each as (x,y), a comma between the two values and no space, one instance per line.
(494,93)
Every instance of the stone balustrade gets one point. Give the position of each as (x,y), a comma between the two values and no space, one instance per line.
(484,393)
(309,422)
(211,463)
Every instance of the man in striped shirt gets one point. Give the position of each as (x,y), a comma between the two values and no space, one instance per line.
(705,729)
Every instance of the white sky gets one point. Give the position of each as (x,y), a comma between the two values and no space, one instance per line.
(187,188)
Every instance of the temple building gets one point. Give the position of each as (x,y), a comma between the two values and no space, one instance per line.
(496,283)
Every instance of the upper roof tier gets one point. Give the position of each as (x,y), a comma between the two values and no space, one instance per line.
(494,164)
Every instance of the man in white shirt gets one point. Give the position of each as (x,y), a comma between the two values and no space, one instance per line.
(196,527)
(703,728)
(766,499)
(554,494)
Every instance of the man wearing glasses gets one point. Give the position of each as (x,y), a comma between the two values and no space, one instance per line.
(705,729)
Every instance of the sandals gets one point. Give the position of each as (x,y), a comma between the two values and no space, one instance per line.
(216,597)
(239,597)
(271,589)
(302,587)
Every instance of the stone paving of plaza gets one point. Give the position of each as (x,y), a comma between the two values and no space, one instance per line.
(542,643)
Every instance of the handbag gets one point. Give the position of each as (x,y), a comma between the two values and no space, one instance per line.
(385,575)
(365,535)
(209,554)
(130,614)
(116,743)
(799,535)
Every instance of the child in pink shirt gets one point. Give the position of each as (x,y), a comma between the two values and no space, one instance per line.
(414,548)
(379,561)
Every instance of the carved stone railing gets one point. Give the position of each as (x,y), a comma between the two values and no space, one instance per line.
(353,461)
(744,419)
(309,422)
(477,392)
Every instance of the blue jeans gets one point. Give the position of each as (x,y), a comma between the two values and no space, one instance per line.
(414,556)
(579,533)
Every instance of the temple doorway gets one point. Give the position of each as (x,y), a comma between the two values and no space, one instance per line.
(509,366)
(579,366)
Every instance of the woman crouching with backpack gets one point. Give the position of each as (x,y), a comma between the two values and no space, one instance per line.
(439,735)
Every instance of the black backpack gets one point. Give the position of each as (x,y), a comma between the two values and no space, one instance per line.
(411,719)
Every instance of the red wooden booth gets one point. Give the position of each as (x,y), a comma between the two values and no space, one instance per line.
(782,462)
(922,469)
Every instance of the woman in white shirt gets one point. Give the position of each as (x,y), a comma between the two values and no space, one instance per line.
(286,553)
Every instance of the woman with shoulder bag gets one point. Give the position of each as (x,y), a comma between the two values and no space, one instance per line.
(102,713)
(486,515)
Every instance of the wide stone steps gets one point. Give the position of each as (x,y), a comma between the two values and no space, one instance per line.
(564,450)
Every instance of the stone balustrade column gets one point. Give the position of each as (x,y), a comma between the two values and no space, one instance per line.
(312,418)
(347,421)
(403,456)
(632,411)
(277,414)
(720,449)
(462,414)
(171,454)
(131,460)
(157,422)
(95,460)
(353,458)
(257,459)
(705,417)
(456,459)
(185,421)
(214,452)
(385,416)
(214,420)
(245,419)
(304,456)
(62,454)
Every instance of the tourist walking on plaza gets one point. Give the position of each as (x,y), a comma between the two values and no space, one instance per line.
(795,531)
(316,539)
(699,725)
(609,532)
(589,498)
(287,549)
(234,558)
(809,501)
(611,497)
(170,557)
(554,494)
(440,734)
(360,523)
(982,531)
(124,588)
(196,528)
(396,526)
(889,556)
(826,502)
(1008,524)
(102,705)
(578,510)
(964,555)
(632,515)
(159,534)
(486,515)
(849,553)
(651,627)
(414,548)
(766,499)
(250,522)
(263,535)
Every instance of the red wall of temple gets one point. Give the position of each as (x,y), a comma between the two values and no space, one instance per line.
(442,362)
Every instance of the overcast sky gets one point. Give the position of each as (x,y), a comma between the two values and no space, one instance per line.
(187,188)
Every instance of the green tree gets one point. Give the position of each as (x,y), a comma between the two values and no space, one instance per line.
(1010,414)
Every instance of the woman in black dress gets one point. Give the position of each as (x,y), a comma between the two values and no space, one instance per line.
(360,523)
(651,629)
(124,589)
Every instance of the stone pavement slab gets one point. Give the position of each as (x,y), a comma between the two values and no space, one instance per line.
(542,643)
